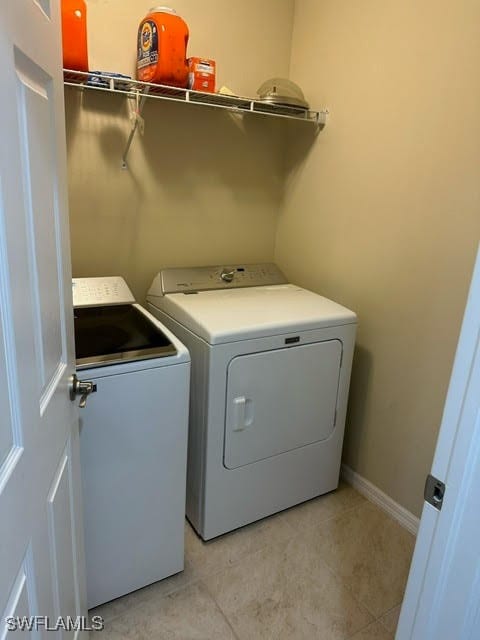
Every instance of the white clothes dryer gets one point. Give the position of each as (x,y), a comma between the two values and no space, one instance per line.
(271,369)
(133,440)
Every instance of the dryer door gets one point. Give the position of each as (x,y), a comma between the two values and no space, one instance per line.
(280,400)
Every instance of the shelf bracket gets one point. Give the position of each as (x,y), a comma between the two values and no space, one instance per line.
(322,119)
(140,103)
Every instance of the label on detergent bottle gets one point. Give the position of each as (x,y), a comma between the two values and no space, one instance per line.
(147,49)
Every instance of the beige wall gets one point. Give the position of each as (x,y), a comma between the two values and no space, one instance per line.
(202,186)
(382,212)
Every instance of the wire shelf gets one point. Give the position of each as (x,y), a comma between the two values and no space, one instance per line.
(104,82)
(144,90)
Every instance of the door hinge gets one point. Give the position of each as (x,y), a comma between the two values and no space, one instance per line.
(434,492)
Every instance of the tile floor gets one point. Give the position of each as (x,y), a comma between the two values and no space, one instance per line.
(332,568)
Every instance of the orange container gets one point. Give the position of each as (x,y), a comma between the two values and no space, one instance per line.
(201,74)
(74,35)
(162,48)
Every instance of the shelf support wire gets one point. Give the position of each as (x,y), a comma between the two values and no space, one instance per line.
(138,122)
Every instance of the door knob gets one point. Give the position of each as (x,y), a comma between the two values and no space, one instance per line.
(82,388)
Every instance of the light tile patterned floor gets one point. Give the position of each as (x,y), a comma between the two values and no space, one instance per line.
(333,568)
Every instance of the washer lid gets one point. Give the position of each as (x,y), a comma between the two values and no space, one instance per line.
(115,334)
(254,312)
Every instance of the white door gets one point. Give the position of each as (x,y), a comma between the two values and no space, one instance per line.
(442,601)
(41,557)
(280,400)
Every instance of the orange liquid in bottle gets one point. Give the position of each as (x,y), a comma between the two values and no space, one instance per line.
(74,35)
(162,48)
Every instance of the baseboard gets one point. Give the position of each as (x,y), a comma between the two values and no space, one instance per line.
(373,493)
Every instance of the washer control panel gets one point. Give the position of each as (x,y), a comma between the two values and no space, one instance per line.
(96,292)
(191,279)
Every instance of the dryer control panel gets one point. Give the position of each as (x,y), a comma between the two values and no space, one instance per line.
(191,279)
(96,292)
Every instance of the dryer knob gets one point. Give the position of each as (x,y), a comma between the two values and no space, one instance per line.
(227,275)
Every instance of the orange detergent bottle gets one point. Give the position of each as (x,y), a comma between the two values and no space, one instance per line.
(162,48)
(74,35)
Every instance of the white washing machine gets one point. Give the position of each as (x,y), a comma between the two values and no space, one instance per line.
(133,440)
(270,375)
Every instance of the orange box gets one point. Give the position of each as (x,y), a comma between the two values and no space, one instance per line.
(201,74)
